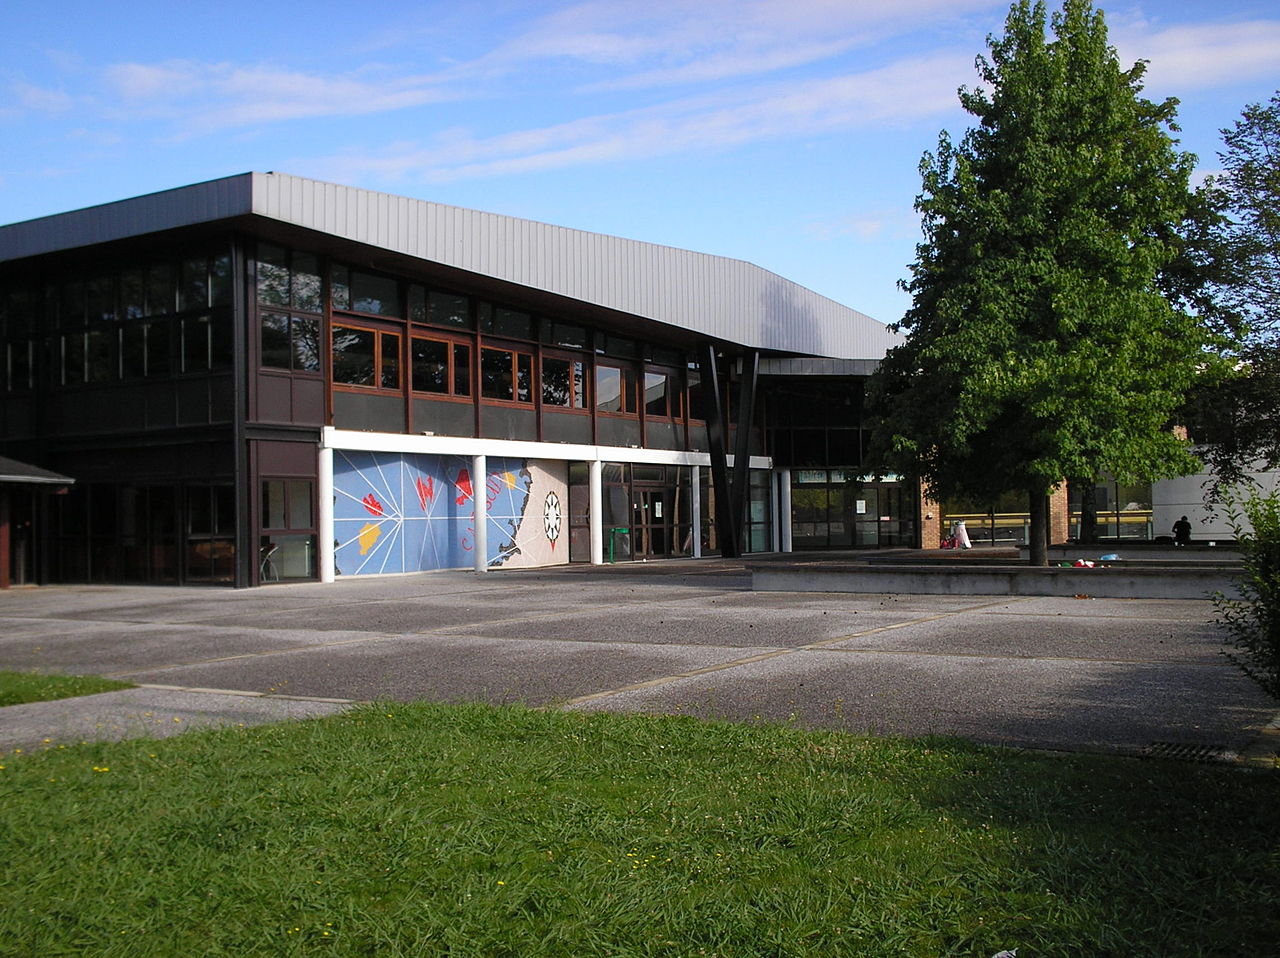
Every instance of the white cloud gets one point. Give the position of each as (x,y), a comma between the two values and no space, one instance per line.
(36,99)
(1192,56)
(902,92)
(206,97)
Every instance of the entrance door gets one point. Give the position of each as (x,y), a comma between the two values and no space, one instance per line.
(651,523)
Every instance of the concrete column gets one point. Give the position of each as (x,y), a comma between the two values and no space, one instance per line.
(595,484)
(480,502)
(784,508)
(324,529)
(695,508)
(775,505)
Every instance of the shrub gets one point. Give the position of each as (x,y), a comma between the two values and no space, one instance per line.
(1252,619)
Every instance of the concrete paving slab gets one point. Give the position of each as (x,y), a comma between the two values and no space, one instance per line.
(143,713)
(1028,703)
(448,669)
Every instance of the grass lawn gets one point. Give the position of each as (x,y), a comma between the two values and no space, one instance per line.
(418,830)
(18,688)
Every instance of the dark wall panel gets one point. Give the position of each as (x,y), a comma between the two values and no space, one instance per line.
(444,418)
(619,432)
(562,427)
(508,422)
(369,413)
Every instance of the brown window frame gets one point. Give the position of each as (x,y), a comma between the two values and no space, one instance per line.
(379,353)
(516,353)
(451,344)
(625,394)
(588,377)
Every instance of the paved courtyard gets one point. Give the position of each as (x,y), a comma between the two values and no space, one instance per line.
(674,637)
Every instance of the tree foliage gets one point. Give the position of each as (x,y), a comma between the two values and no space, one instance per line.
(1234,263)
(1252,619)
(1040,343)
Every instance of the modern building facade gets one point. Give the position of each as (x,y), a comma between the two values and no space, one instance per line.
(265,377)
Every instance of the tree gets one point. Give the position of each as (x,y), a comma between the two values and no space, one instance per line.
(1040,346)
(1233,264)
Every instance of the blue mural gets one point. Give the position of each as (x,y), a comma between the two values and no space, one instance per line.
(404,512)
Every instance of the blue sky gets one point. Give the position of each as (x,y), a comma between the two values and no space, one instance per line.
(784,132)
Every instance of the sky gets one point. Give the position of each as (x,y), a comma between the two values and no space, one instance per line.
(787,133)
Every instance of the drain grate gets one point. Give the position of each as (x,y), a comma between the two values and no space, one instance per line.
(1187,752)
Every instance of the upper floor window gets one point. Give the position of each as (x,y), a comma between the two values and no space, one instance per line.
(440,366)
(564,382)
(615,389)
(506,374)
(661,396)
(290,342)
(359,292)
(366,357)
(288,278)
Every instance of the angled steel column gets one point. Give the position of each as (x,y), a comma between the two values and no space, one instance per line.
(726,529)
(742,448)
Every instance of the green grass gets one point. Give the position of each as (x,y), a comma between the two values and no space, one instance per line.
(419,830)
(18,688)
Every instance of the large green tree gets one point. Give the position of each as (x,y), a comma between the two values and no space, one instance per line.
(1040,345)
(1233,264)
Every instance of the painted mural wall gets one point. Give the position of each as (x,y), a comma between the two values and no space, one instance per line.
(397,512)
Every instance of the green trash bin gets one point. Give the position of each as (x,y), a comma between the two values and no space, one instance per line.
(613,534)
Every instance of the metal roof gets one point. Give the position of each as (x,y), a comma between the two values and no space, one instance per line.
(726,299)
(13,471)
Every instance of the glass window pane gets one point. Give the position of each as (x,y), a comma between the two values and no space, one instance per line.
(524,377)
(73,359)
(98,367)
(160,298)
(220,281)
(273,275)
(353,356)
(579,385)
(628,397)
(608,389)
(496,374)
(417,304)
(133,293)
(448,309)
(193,292)
(275,340)
(100,297)
(390,361)
(220,345)
(133,351)
(306,344)
(224,509)
(340,287)
(557,383)
(461,369)
(273,504)
(73,305)
(195,344)
(655,395)
(299,504)
(158,362)
(306,283)
(509,322)
(374,294)
(430,366)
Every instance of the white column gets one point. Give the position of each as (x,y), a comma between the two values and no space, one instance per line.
(324,529)
(775,534)
(695,508)
(784,508)
(595,474)
(480,500)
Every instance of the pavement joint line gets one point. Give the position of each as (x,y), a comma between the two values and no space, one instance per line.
(758,657)
(249,694)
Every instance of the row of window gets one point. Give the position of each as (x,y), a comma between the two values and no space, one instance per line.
(365,357)
(145,350)
(135,292)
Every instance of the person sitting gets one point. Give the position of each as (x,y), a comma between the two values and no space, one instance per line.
(1182,532)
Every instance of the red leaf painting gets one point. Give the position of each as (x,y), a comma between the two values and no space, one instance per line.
(463,482)
(373,505)
(426,491)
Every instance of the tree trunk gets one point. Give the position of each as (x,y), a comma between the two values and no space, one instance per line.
(1039,533)
(1084,490)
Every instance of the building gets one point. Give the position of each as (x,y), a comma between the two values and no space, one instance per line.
(265,377)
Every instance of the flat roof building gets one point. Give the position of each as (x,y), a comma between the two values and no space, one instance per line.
(266,377)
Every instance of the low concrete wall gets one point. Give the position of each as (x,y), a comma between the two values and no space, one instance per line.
(1122,583)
